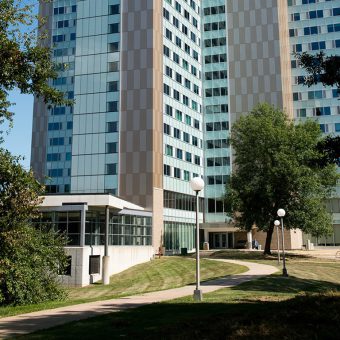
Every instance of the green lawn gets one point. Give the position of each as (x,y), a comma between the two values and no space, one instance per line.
(306,305)
(159,274)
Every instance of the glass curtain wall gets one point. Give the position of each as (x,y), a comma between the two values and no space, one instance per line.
(215,85)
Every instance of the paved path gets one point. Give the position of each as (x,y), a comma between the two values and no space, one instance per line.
(31,322)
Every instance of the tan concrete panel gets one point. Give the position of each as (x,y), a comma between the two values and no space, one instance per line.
(285,58)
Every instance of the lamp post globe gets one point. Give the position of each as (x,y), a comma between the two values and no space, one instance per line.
(281,213)
(276,223)
(197,184)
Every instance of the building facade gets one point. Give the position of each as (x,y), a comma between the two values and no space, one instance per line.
(314,26)
(157,85)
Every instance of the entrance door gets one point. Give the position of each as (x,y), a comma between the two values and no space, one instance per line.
(219,240)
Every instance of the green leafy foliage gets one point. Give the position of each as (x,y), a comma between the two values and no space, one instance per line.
(30,258)
(320,68)
(25,62)
(276,167)
(330,149)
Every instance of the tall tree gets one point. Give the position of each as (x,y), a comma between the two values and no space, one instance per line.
(274,167)
(30,257)
(24,62)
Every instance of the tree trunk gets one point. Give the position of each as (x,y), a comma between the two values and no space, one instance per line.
(269,240)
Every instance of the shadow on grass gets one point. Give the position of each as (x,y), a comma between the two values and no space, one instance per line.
(251,255)
(290,285)
(302,317)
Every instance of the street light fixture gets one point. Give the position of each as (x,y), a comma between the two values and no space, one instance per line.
(277,223)
(281,213)
(197,184)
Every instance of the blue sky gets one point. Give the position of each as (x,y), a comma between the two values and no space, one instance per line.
(18,139)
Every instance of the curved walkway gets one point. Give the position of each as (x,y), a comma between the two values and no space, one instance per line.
(31,322)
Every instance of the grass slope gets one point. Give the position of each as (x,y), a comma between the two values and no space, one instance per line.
(306,305)
(159,274)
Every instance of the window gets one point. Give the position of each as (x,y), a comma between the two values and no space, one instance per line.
(168,71)
(166,89)
(187,119)
(111,127)
(194,141)
(177,173)
(57,141)
(179,115)
(54,126)
(194,105)
(176,57)
(188,157)
(166,51)
(186,175)
(168,110)
(111,169)
(166,14)
(114,9)
(186,137)
(113,66)
(111,147)
(178,7)
(179,153)
(315,14)
(114,28)
(53,157)
(112,86)
(167,170)
(185,100)
(324,127)
(113,47)
(166,129)
(176,95)
(197,160)
(112,106)
(55,173)
(336,11)
(168,34)
(168,150)
(185,64)
(177,133)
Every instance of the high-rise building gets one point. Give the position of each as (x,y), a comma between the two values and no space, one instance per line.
(157,85)
(314,26)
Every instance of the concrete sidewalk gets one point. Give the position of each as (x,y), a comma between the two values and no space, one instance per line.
(31,322)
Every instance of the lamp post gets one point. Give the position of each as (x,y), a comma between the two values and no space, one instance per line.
(277,223)
(197,184)
(281,213)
